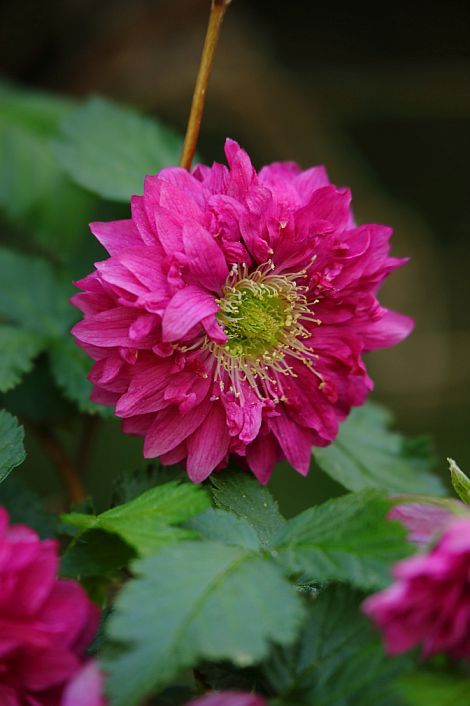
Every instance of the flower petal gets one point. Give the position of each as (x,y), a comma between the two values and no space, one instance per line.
(208,445)
(185,310)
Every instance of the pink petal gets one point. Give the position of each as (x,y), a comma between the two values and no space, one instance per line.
(9,696)
(170,428)
(206,260)
(295,442)
(261,456)
(185,310)
(44,668)
(208,445)
(116,236)
(108,329)
(86,688)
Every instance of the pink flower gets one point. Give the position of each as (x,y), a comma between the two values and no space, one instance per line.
(233,312)
(45,623)
(423,521)
(430,601)
(86,688)
(229,698)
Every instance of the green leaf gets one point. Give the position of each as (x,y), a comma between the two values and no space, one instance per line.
(70,366)
(95,553)
(19,348)
(32,296)
(36,195)
(38,112)
(460,481)
(130,485)
(226,528)
(12,451)
(338,660)
(195,601)
(435,689)
(148,522)
(109,149)
(346,539)
(24,507)
(367,455)
(243,495)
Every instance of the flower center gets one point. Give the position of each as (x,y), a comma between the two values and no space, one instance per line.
(263,315)
(255,317)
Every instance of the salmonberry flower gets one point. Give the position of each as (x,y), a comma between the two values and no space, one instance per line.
(45,625)
(429,603)
(233,312)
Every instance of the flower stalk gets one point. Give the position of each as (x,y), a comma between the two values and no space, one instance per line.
(218,9)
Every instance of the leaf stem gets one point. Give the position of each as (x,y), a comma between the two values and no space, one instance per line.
(66,468)
(218,9)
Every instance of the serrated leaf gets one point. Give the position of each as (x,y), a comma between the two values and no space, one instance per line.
(148,522)
(435,689)
(130,485)
(367,455)
(70,366)
(12,451)
(243,495)
(109,149)
(95,553)
(32,296)
(338,661)
(195,601)
(24,507)
(18,350)
(226,528)
(346,539)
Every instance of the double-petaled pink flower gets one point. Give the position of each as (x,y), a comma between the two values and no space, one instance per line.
(45,626)
(429,603)
(233,312)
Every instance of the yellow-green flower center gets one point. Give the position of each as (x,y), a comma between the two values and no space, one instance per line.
(255,318)
(263,315)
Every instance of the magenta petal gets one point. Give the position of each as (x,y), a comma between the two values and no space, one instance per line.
(86,688)
(206,260)
(185,310)
(9,696)
(169,429)
(261,456)
(208,445)
(116,236)
(295,442)
(108,329)
(43,669)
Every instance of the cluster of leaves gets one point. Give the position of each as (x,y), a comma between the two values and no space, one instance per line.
(211,579)
(215,579)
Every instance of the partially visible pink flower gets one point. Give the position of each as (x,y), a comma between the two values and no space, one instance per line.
(45,623)
(229,698)
(424,521)
(233,312)
(429,603)
(86,688)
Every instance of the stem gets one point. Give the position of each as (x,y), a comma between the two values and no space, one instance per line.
(218,9)
(67,470)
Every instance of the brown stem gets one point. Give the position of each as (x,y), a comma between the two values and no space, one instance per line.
(218,9)
(67,470)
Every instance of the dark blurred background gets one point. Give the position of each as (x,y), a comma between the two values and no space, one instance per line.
(378,93)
